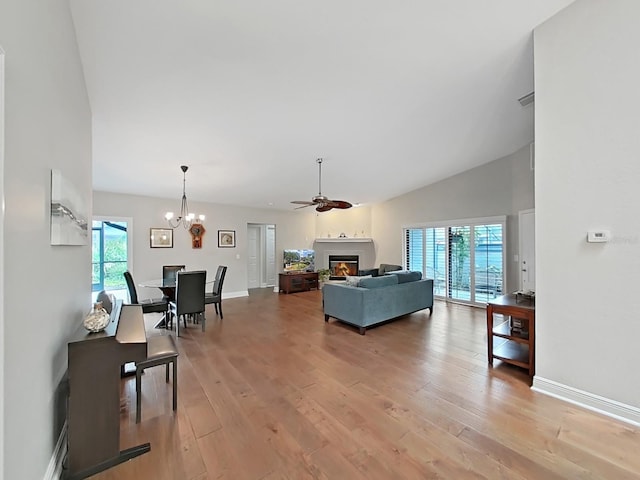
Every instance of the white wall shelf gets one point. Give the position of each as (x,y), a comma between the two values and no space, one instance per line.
(349,240)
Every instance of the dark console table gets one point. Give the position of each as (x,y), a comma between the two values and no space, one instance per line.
(94,361)
(298,282)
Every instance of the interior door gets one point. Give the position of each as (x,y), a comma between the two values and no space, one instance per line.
(270,254)
(253,258)
(527,234)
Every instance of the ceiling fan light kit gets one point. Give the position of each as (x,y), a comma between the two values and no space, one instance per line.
(322,203)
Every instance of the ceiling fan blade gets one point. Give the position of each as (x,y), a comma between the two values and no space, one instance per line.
(339,204)
(304,206)
(324,207)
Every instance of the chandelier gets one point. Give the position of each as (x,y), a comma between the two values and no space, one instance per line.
(185,218)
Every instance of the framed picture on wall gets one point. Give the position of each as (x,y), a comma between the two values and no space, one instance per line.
(161,238)
(226,238)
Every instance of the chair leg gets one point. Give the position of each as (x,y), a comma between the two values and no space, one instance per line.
(221,316)
(215,305)
(138,394)
(166,370)
(203,319)
(175,383)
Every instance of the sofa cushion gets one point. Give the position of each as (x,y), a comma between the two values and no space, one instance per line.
(355,281)
(405,276)
(387,267)
(378,282)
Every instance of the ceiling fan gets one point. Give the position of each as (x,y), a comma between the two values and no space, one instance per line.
(323,204)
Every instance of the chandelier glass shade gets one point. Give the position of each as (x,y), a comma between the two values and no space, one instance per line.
(185,218)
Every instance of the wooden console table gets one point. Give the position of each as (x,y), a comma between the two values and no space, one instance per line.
(514,346)
(298,282)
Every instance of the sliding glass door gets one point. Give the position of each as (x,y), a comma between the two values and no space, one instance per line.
(464,260)
(489,257)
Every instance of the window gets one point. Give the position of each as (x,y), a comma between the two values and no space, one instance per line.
(465,259)
(109,255)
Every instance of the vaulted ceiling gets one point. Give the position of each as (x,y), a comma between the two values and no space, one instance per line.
(393,95)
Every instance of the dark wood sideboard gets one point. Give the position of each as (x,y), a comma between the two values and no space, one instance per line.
(94,361)
(298,282)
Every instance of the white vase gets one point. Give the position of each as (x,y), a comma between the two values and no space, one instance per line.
(97,319)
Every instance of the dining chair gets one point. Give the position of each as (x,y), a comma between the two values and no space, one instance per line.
(215,296)
(189,300)
(169,272)
(161,350)
(155,305)
(107,300)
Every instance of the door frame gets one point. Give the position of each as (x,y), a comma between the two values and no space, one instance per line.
(521,243)
(129,220)
(262,248)
(2,339)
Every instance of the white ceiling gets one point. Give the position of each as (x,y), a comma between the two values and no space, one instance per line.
(393,95)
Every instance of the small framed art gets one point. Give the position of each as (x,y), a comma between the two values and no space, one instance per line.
(161,238)
(226,238)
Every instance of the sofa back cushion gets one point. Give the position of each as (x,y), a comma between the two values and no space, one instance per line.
(405,276)
(386,267)
(378,282)
(355,281)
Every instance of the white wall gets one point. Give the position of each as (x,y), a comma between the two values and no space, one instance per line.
(293,230)
(1,259)
(501,187)
(47,126)
(587,169)
(352,222)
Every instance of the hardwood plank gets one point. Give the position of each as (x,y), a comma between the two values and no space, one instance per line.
(273,392)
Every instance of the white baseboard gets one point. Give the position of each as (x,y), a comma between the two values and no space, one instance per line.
(590,401)
(241,293)
(54,470)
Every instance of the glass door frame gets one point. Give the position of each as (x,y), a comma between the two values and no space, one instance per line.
(129,222)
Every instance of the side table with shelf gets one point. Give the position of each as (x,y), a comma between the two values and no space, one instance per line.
(298,282)
(516,346)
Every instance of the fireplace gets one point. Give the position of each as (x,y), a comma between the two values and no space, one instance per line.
(342,265)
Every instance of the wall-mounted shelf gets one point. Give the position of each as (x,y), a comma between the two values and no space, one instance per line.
(345,240)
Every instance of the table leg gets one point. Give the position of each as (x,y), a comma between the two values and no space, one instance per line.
(490,333)
(162,323)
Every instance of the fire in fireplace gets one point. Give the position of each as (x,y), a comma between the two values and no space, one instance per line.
(342,265)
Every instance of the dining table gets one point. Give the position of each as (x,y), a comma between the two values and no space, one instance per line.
(168,288)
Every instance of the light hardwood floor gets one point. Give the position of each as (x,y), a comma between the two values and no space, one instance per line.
(274,392)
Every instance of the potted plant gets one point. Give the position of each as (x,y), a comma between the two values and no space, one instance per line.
(323,275)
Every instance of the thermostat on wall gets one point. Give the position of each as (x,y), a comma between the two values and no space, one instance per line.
(598,236)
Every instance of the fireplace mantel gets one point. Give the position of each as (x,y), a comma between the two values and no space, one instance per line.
(345,240)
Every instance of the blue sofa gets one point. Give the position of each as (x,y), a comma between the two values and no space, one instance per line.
(377,299)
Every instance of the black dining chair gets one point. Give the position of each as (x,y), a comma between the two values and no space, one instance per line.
(215,296)
(169,272)
(107,300)
(189,300)
(155,305)
(161,350)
